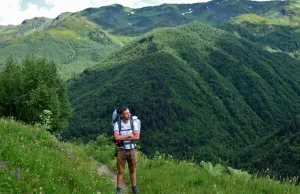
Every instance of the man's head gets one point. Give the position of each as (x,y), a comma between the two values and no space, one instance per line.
(124,113)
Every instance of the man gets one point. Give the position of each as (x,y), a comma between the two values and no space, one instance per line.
(127,151)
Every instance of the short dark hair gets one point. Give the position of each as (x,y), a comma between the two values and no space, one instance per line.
(122,109)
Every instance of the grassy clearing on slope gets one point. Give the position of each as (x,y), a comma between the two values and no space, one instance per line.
(33,161)
(163,174)
(256,19)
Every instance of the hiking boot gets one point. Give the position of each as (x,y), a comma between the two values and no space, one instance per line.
(119,190)
(135,189)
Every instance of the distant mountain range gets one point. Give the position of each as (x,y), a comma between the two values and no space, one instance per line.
(79,40)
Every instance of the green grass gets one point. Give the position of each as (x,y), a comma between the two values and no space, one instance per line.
(32,161)
(186,177)
(163,174)
(259,20)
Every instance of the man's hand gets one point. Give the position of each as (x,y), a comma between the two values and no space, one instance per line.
(123,137)
(135,136)
(130,135)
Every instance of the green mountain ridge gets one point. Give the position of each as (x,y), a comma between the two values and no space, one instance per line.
(72,42)
(200,92)
(97,32)
(131,22)
(27,27)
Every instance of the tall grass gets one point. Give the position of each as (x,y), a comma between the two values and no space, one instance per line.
(33,161)
(163,174)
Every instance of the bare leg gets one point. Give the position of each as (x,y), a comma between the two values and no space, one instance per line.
(133,178)
(119,180)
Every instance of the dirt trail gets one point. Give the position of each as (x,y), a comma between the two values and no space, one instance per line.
(105,170)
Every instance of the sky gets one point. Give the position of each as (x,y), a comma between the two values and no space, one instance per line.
(16,11)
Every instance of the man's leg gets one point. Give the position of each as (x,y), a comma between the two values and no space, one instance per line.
(120,167)
(133,178)
(132,162)
(119,180)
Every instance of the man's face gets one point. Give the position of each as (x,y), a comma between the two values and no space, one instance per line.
(126,114)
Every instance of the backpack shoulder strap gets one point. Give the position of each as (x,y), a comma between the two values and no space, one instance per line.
(119,124)
(131,124)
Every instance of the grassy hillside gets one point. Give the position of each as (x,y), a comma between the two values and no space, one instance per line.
(200,92)
(72,42)
(33,161)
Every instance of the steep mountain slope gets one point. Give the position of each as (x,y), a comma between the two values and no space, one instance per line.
(277,153)
(200,92)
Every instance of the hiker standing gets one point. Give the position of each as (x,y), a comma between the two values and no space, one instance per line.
(126,135)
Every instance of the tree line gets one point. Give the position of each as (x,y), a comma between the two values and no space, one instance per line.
(29,88)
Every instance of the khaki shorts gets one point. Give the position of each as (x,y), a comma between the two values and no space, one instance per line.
(131,162)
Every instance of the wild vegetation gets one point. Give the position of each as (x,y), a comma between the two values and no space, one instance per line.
(33,90)
(34,161)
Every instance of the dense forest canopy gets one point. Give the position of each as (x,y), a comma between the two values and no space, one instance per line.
(200,92)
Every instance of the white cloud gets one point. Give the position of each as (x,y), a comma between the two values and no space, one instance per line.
(12,13)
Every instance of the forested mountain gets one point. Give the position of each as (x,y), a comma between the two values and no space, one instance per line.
(200,92)
(79,40)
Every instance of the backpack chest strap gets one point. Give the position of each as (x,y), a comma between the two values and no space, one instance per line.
(120,127)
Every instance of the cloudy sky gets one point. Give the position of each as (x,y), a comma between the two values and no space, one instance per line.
(15,11)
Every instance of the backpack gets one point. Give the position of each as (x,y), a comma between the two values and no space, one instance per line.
(117,118)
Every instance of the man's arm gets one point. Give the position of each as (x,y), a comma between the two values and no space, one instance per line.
(135,137)
(119,137)
(130,137)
